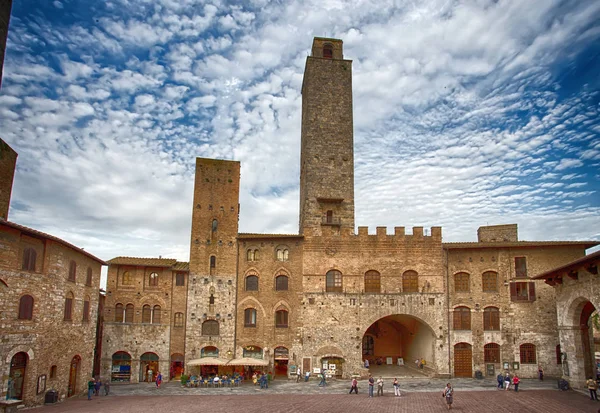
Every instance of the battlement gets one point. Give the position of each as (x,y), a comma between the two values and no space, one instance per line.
(400,234)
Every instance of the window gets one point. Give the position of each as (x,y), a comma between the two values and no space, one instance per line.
(126,278)
(72,271)
(410,282)
(213,264)
(119,313)
(178,320)
(372,282)
(153,279)
(156,314)
(522,291)
(53,372)
(489,282)
(86,309)
(179,279)
(252,283)
(281,283)
(327,51)
(249,317)
(146,314)
(491,319)
(88,278)
(282,254)
(129,313)
(69,306)
(281,319)
(558,354)
(215,225)
(527,353)
(461,282)
(26,307)
(250,255)
(368,346)
(329,217)
(521,267)
(211,299)
(462,318)
(333,281)
(210,328)
(29,256)
(491,353)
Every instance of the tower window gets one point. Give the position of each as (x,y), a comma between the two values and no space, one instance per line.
(328,51)
(72,271)
(211,300)
(215,225)
(329,217)
(249,317)
(213,264)
(153,280)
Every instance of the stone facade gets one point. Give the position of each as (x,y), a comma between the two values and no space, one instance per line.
(8,163)
(55,349)
(5,8)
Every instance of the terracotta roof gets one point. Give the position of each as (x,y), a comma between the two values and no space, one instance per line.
(37,233)
(181,266)
(251,235)
(143,262)
(517,244)
(590,260)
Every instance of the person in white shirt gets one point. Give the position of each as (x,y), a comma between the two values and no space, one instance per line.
(298,374)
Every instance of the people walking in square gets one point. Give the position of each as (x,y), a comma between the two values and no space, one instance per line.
(354,386)
(500,379)
(323,381)
(106,387)
(541,373)
(371,385)
(306,375)
(396,388)
(158,380)
(298,374)
(448,393)
(91,385)
(516,380)
(380,386)
(507,381)
(592,386)
(97,385)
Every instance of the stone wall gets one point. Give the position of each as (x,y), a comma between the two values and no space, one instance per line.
(498,233)
(8,157)
(5,7)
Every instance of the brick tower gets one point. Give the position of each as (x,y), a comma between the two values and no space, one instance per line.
(213,258)
(327,157)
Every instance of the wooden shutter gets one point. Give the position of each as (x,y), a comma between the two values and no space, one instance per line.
(532,291)
(513,291)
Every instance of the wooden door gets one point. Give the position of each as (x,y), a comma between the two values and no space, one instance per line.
(73,376)
(463,360)
(305,365)
(18,365)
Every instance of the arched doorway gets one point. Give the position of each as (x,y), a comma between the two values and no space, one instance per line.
(176,366)
(463,360)
(18,366)
(73,371)
(148,367)
(586,332)
(121,367)
(282,356)
(395,341)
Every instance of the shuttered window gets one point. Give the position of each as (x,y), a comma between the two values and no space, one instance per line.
(491,353)
(86,310)
(281,283)
(72,271)
(26,307)
(88,278)
(372,282)
(461,282)
(249,317)
(146,314)
(69,307)
(156,314)
(410,282)
(522,291)
(281,319)
(491,319)
(462,318)
(29,257)
(252,283)
(129,313)
(527,352)
(489,282)
(333,281)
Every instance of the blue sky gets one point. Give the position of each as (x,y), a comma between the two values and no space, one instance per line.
(466,113)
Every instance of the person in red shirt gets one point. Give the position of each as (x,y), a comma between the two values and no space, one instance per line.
(516,382)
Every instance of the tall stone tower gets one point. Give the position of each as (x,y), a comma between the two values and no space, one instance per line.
(213,259)
(327,157)
(8,164)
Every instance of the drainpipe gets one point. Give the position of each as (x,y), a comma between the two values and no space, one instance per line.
(235,300)
(448,311)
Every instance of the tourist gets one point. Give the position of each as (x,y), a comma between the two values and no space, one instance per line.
(516,381)
(592,386)
(380,386)
(371,384)
(423,362)
(507,381)
(298,374)
(366,363)
(541,373)
(149,375)
(448,393)
(158,380)
(265,380)
(97,385)
(306,375)
(417,362)
(323,381)
(254,378)
(216,381)
(106,387)
(354,386)
(500,379)
(396,388)
(91,385)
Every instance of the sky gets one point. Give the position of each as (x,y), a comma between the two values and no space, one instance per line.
(466,113)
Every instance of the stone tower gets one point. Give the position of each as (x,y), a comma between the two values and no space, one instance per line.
(213,258)
(327,157)
(8,164)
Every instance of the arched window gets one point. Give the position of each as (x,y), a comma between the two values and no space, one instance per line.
(29,257)
(252,283)
(213,264)
(215,225)
(129,313)
(372,282)
(282,254)
(119,313)
(328,51)
(489,282)
(210,328)
(126,278)
(88,278)
(462,318)
(461,282)
(156,314)
(86,309)
(491,353)
(26,307)
(146,314)
(69,306)
(491,319)
(250,255)
(256,255)
(410,282)
(72,271)
(153,279)
(211,299)
(527,352)
(281,283)
(250,317)
(333,281)
(178,320)
(281,319)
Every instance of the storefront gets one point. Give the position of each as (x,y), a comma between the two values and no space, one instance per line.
(281,361)
(176,366)
(148,367)
(332,366)
(121,367)
(209,364)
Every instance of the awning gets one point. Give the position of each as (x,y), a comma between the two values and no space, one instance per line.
(207,361)
(248,361)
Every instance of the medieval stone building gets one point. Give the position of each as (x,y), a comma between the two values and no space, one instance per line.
(329,297)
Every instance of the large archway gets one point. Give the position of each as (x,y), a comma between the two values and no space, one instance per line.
(398,340)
